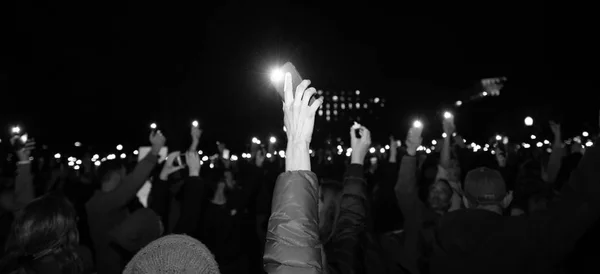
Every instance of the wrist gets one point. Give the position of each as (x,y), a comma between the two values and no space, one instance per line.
(411,151)
(194,173)
(163,176)
(156,149)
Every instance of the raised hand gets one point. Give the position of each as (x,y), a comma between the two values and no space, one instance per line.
(158,140)
(25,152)
(413,140)
(299,120)
(555,127)
(169,167)
(360,145)
(449,127)
(192,160)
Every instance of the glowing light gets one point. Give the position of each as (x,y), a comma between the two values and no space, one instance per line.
(97,163)
(376,100)
(434,142)
(539,144)
(273,140)
(505,140)
(339,147)
(76,167)
(447,115)
(417,124)
(57,156)
(546,142)
(526,145)
(234,158)
(533,137)
(123,155)
(119,147)
(585,134)
(357,92)
(269,155)
(444,135)
(71,164)
(96,156)
(255,141)
(387,146)
(382,150)
(284,129)
(276,75)
(458,103)
(528,121)
(334,98)
(78,162)
(282,154)
(484,93)
(428,151)
(153,126)
(212,165)
(372,150)
(498,137)
(111,157)
(77,144)
(589,143)
(549,150)
(16,130)
(205,158)
(136,152)
(200,152)
(195,123)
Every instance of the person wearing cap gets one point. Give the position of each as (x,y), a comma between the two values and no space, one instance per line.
(481,239)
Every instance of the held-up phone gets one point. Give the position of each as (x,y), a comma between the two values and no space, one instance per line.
(296,80)
(226,154)
(180,161)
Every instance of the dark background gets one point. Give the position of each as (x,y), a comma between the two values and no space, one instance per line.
(100,72)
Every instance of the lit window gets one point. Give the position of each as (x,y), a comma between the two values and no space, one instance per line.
(335,98)
(320,112)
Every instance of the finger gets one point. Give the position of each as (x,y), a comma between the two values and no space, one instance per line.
(307,95)
(316,105)
(287,89)
(300,90)
(353,133)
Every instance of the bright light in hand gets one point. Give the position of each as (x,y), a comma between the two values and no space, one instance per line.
(585,134)
(276,75)
(136,152)
(57,156)
(498,137)
(447,115)
(76,167)
(444,135)
(372,150)
(417,124)
(382,150)
(533,137)
(195,123)
(205,158)
(528,121)
(273,140)
(97,163)
(458,103)
(78,162)
(589,143)
(123,155)
(434,142)
(153,126)
(234,158)
(77,144)
(539,144)
(16,130)
(119,147)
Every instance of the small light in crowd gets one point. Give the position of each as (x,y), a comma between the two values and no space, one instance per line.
(498,137)
(533,137)
(434,142)
(428,151)
(417,124)
(382,150)
(96,156)
(153,126)
(420,148)
(334,98)
(269,155)
(349,150)
(76,167)
(119,147)
(57,156)
(276,75)
(528,121)
(473,144)
(484,93)
(205,158)
(485,149)
(372,150)
(16,130)
(585,134)
(493,152)
(458,103)
(273,140)
(211,165)
(454,134)
(111,157)
(505,140)
(357,92)
(233,158)
(526,145)
(348,153)
(444,135)
(549,150)
(71,164)
(77,144)
(103,159)
(339,147)
(487,145)
(329,158)
(195,123)
(447,115)
(200,152)
(539,144)
(339,152)
(123,155)
(97,163)
(78,162)
(577,139)
(546,142)
(399,143)
(589,143)
(284,129)
(387,146)
(376,100)
(255,141)
(310,151)
(282,154)
(136,152)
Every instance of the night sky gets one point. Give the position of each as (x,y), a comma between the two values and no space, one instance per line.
(101,72)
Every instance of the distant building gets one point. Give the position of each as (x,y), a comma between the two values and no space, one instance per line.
(342,107)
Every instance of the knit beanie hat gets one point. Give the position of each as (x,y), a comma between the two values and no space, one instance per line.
(173,254)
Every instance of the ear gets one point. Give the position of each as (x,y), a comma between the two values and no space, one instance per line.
(465,202)
(507,199)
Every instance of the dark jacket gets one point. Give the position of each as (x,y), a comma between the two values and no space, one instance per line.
(480,241)
(293,244)
(106,210)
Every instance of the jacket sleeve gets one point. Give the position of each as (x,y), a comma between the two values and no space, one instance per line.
(292,243)
(129,186)
(24,191)
(557,232)
(351,222)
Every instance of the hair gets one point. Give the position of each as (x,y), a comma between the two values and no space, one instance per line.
(332,211)
(46,228)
